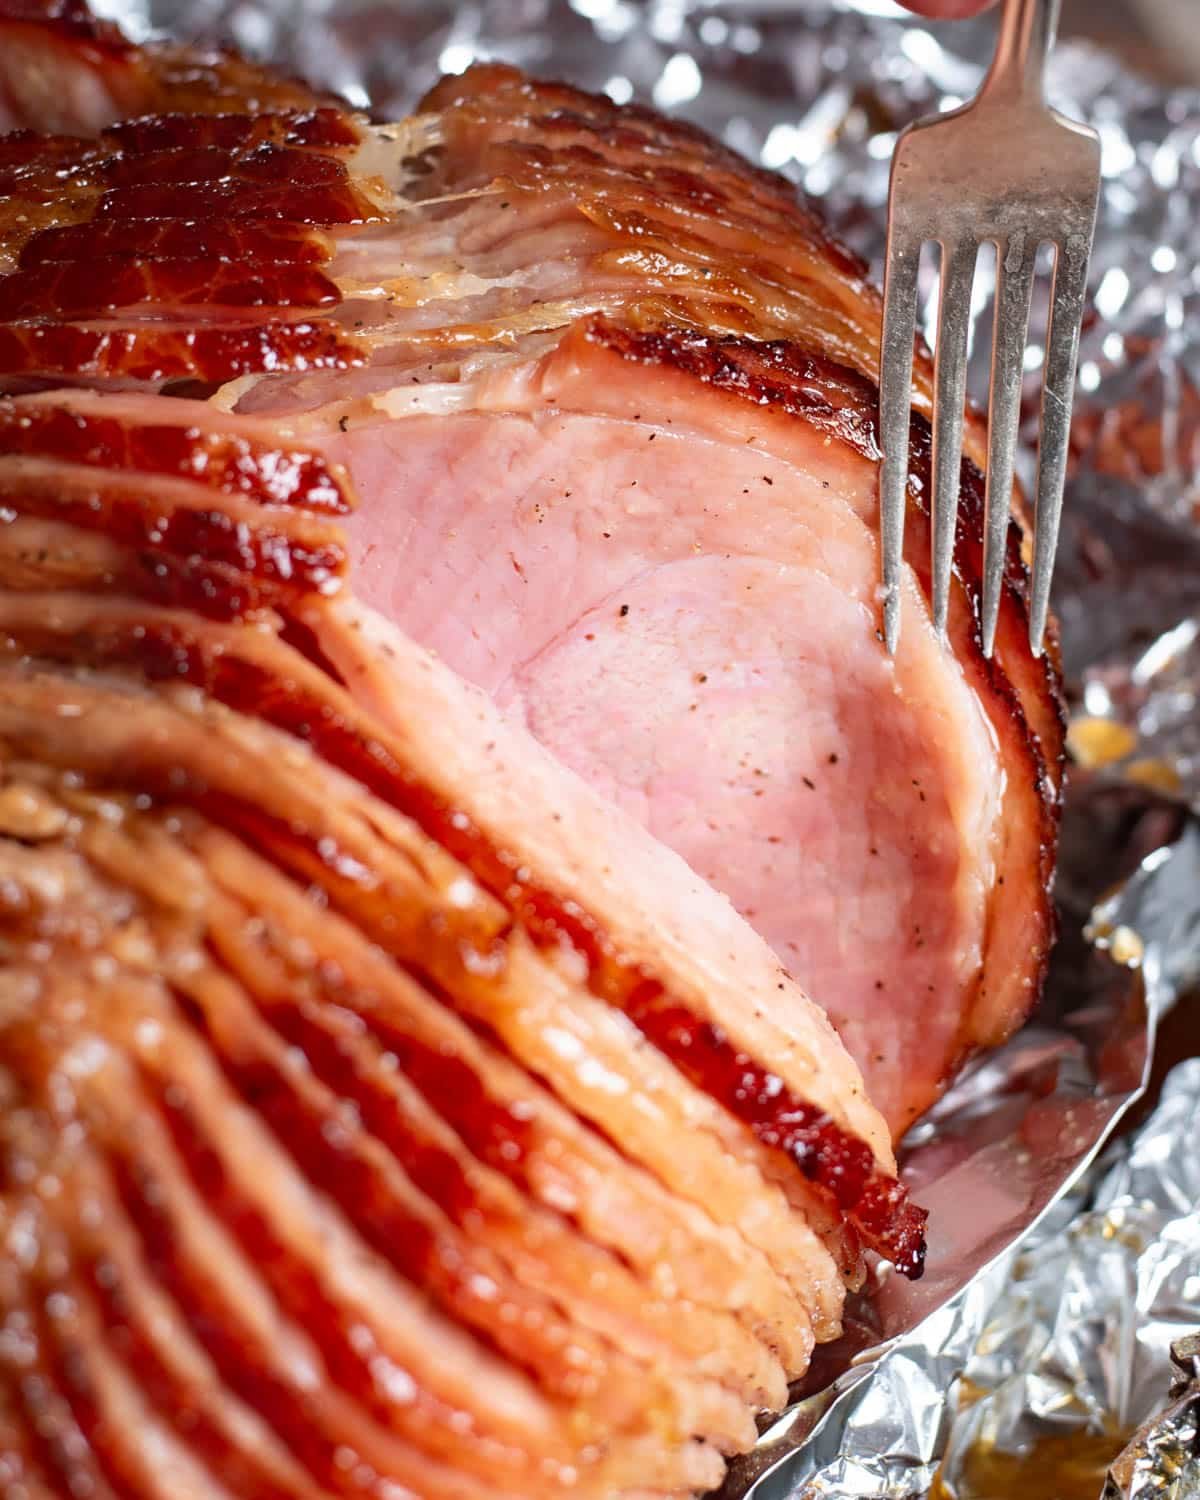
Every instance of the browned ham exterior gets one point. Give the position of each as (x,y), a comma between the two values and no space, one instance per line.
(607,396)
(430,555)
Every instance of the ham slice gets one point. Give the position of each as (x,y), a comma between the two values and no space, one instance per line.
(435,560)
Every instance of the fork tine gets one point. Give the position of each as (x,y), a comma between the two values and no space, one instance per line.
(950,377)
(895,407)
(1015,259)
(1058,394)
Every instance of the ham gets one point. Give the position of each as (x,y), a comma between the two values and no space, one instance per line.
(612,392)
(446,742)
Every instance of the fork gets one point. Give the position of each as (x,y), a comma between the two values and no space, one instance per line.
(1004,168)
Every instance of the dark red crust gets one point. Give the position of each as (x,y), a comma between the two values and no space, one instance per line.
(96,287)
(776,374)
(252,202)
(215,217)
(246,243)
(323,128)
(213,590)
(219,460)
(270,555)
(157,352)
(26,157)
(839,1163)
(180,166)
(23,148)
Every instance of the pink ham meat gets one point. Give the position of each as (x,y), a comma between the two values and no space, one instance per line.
(620,411)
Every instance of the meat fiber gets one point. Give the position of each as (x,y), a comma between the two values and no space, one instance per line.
(386,1109)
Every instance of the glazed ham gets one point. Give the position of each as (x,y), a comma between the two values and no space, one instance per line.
(431,554)
(607,398)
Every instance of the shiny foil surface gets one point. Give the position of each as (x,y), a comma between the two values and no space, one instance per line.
(1039,1342)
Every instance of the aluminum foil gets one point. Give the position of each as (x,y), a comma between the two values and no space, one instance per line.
(1032,1378)
(1042,1330)
(1163,1458)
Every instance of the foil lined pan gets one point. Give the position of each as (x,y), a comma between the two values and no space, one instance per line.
(1056,1287)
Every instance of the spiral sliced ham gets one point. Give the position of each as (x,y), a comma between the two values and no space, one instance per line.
(607,397)
(402,1099)
(431,554)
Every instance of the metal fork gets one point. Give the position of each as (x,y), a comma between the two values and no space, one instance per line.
(1004,168)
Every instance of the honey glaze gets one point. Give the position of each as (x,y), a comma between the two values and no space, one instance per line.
(321,127)
(1058,1466)
(825,1154)
(156,351)
(177,239)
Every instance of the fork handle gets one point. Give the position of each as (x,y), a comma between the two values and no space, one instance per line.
(1027,31)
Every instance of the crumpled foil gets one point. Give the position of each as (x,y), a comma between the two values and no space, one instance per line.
(1041,1335)
(1030,1380)
(1164,1457)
